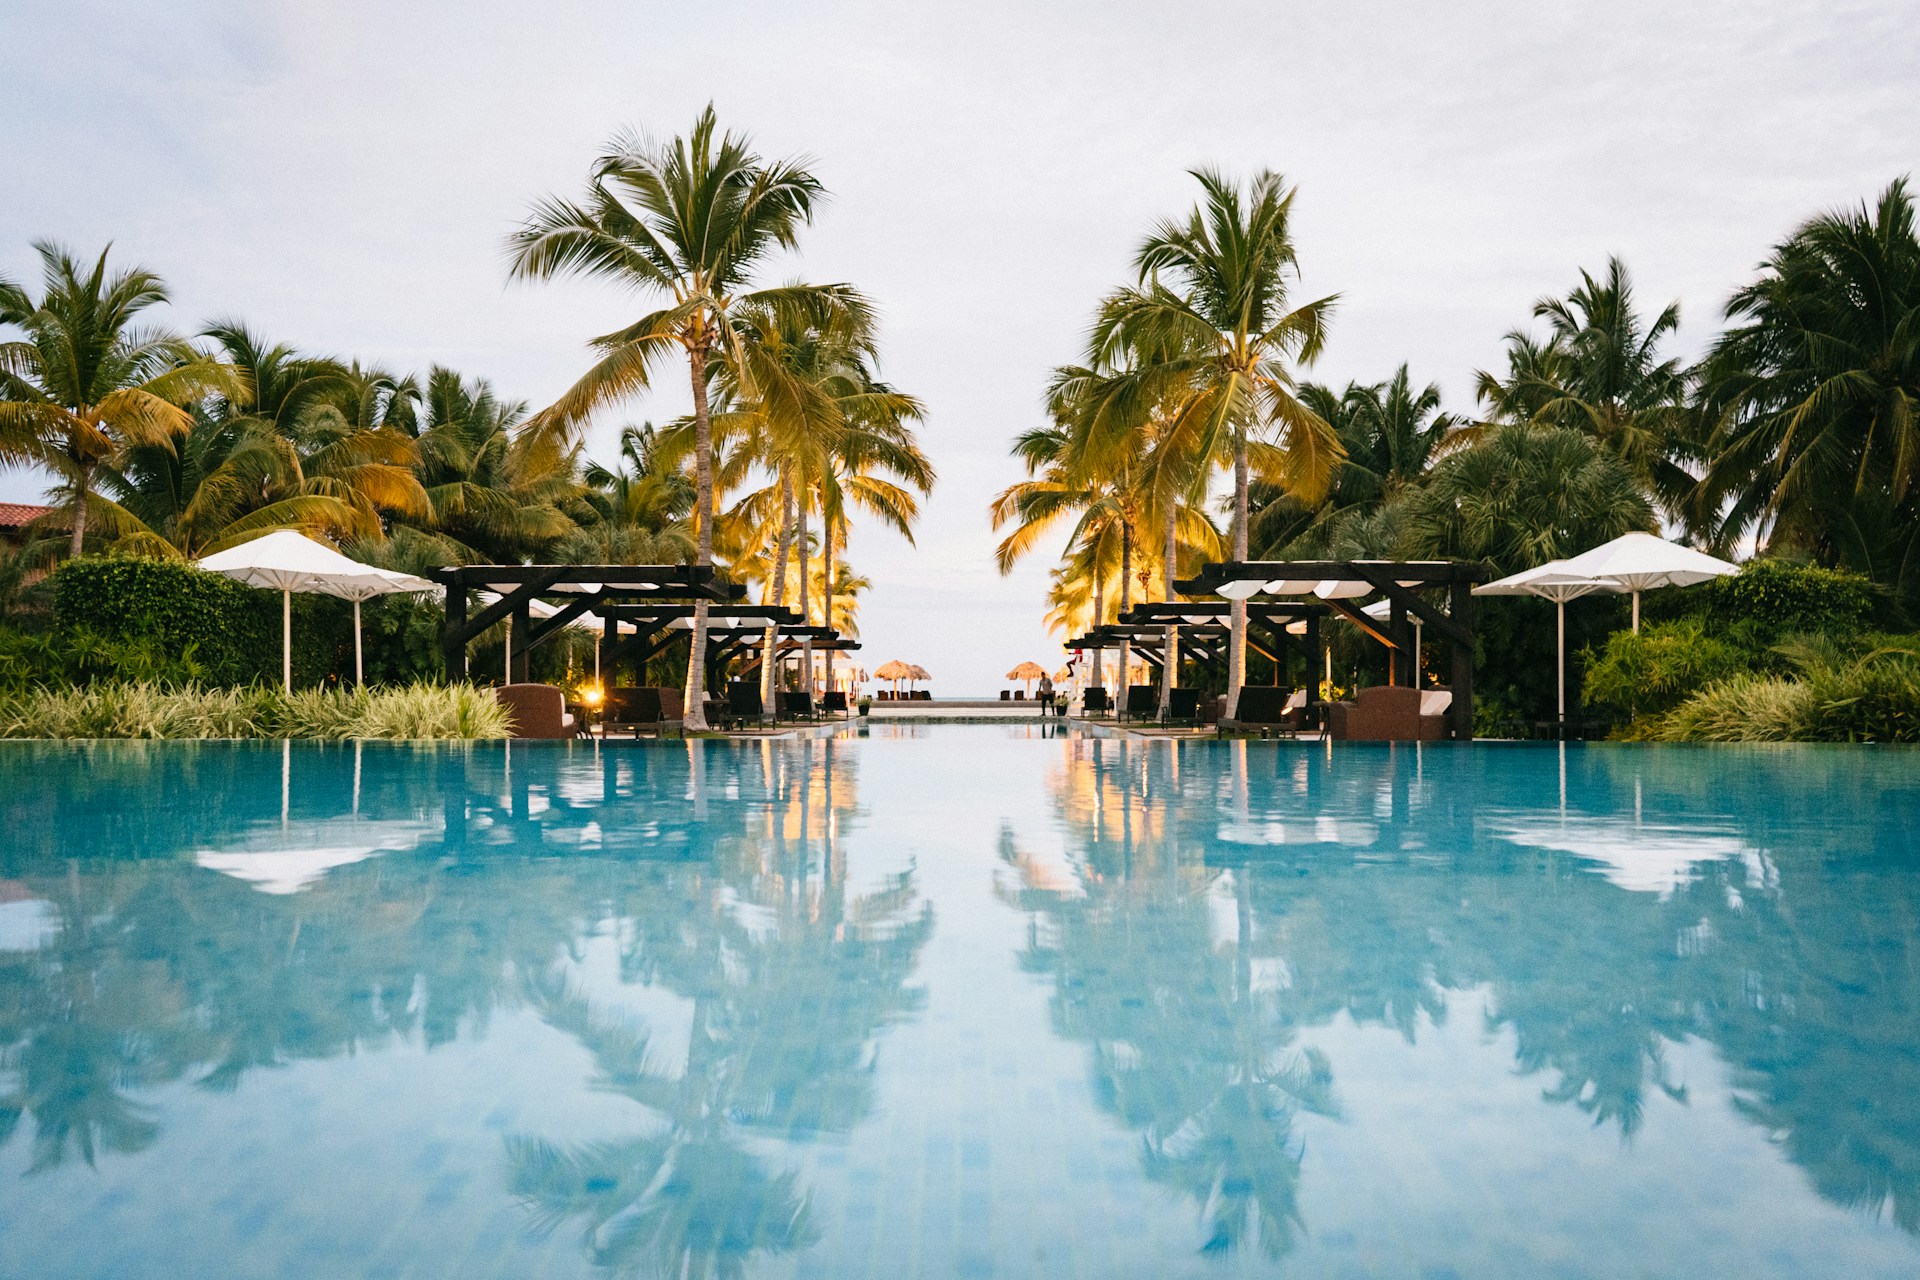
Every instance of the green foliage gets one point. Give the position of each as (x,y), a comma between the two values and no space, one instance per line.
(82,656)
(1769,600)
(1655,671)
(233,632)
(1869,692)
(1745,708)
(119,709)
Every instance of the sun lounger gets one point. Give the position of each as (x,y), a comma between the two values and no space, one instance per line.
(1094,701)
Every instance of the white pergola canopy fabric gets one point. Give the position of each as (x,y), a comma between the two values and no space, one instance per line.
(286,562)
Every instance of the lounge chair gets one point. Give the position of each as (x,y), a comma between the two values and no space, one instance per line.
(1019,695)
(743,702)
(1185,705)
(630,710)
(834,701)
(536,710)
(1387,713)
(923,695)
(1266,708)
(1143,702)
(1094,701)
(1005,696)
(796,704)
(673,710)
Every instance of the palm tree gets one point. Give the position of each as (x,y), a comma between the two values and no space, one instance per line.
(1104,504)
(284,457)
(1814,395)
(640,508)
(1214,303)
(496,492)
(1600,372)
(1522,496)
(691,219)
(1392,434)
(85,384)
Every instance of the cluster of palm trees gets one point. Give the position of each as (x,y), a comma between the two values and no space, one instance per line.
(1189,370)
(160,445)
(1798,432)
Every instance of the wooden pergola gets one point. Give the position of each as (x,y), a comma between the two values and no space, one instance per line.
(1341,584)
(615,593)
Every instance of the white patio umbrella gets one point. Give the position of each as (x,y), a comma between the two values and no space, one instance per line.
(1640,562)
(1552,582)
(288,562)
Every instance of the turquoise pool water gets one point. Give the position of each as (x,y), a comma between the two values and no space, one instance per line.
(960,1001)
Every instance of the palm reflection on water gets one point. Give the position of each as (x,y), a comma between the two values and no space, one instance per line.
(717,869)
(1218,900)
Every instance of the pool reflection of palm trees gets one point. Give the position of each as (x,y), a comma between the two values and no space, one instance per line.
(790,983)
(1365,884)
(162,970)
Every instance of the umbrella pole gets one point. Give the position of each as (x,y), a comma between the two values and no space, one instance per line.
(1560,664)
(286,639)
(359,670)
(1636,613)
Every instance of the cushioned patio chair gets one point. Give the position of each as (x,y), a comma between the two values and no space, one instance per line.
(1385,713)
(536,710)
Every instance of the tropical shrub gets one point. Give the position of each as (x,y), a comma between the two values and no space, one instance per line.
(1745,708)
(1769,600)
(147,710)
(1649,674)
(82,656)
(232,631)
(1869,692)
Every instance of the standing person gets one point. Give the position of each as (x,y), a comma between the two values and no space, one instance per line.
(1045,692)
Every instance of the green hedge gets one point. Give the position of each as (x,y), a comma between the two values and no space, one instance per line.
(1769,600)
(233,631)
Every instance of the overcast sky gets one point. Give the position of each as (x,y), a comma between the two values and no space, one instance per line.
(342,175)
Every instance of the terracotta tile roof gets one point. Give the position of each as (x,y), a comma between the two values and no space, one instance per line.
(15,515)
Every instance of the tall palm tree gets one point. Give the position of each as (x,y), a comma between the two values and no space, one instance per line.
(1814,395)
(1103,503)
(1600,372)
(1214,301)
(691,219)
(85,384)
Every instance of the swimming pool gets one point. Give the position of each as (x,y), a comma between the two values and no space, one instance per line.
(958,1001)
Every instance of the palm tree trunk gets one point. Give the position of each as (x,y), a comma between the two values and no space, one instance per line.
(826,598)
(80,511)
(769,698)
(1237,646)
(1172,645)
(696,690)
(1126,601)
(1099,618)
(806,609)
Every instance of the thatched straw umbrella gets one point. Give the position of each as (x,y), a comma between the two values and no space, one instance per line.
(920,673)
(895,671)
(1029,672)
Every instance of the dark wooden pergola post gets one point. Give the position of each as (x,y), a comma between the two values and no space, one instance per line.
(1460,609)
(453,637)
